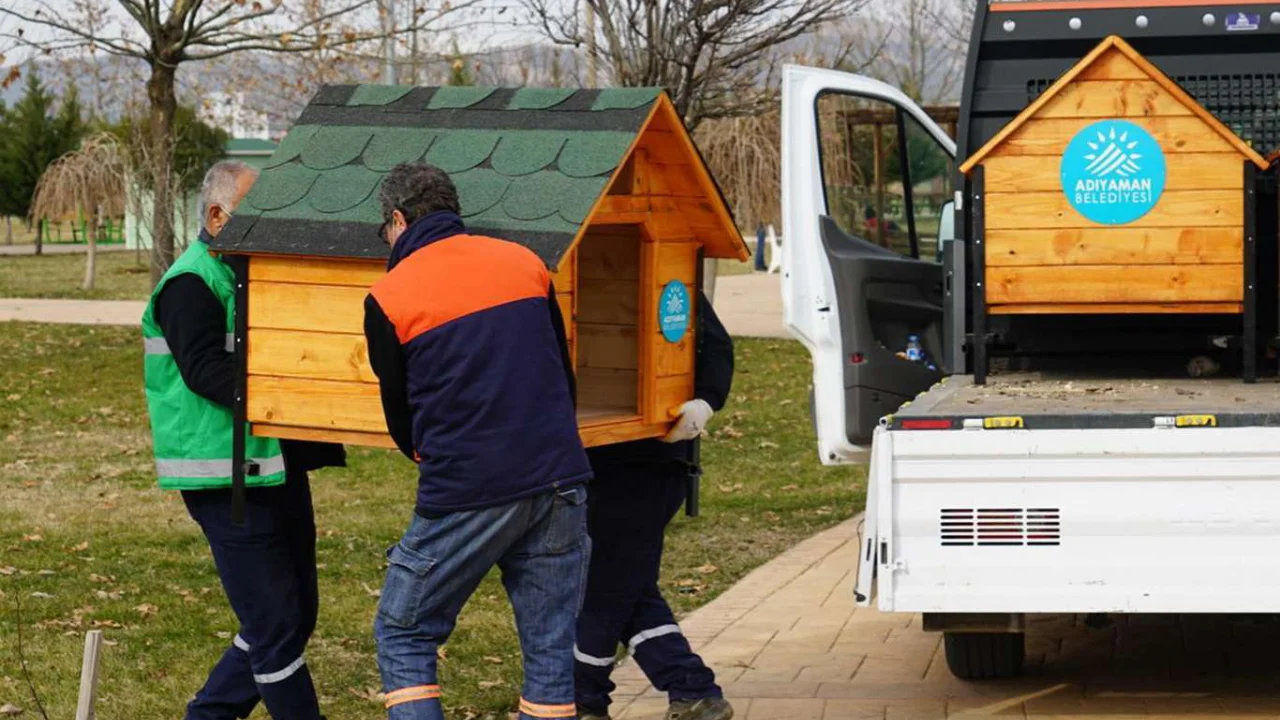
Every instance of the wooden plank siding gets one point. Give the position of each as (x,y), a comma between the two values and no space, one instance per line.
(1114,99)
(311,403)
(1161,284)
(1113,66)
(310,355)
(1177,209)
(1227,308)
(316,271)
(1050,136)
(316,308)
(1107,246)
(1186,171)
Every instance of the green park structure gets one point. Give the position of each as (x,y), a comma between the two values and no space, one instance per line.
(186,211)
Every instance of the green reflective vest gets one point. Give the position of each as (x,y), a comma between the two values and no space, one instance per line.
(192,435)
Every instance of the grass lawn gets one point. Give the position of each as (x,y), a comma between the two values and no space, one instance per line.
(119,276)
(87,541)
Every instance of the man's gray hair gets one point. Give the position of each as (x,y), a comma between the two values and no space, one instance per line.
(219,186)
(417,189)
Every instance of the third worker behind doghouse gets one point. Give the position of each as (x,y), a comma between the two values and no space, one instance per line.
(469,347)
(638,488)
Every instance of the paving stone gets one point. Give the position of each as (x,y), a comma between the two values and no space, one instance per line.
(786,709)
(771,689)
(854,710)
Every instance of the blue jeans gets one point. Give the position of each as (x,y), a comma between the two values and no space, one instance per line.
(540,543)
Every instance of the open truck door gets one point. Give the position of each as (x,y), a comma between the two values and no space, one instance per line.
(866,182)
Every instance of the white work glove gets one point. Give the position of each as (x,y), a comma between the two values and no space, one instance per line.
(694,416)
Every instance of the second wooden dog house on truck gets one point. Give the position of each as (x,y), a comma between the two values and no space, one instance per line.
(1113,231)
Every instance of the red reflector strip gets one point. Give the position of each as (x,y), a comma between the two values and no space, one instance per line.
(926,425)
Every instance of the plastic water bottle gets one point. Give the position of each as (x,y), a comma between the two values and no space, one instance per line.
(915,351)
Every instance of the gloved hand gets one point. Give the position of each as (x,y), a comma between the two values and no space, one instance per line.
(694,416)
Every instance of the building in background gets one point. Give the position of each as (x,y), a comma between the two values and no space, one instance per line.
(230,112)
(186,212)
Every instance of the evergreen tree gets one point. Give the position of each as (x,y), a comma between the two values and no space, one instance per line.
(196,146)
(32,135)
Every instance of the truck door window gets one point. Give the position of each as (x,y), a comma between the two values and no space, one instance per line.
(884,176)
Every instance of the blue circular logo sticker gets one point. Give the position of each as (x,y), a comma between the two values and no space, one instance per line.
(673,311)
(1113,172)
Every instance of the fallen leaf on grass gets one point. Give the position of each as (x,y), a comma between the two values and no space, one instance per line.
(767,445)
(735,487)
(103,595)
(79,548)
(47,371)
(34,538)
(372,694)
(110,624)
(223,635)
(146,609)
(41,595)
(8,570)
(370,591)
(790,488)
(490,684)
(10,710)
(493,659)
(95,577)
(708,569)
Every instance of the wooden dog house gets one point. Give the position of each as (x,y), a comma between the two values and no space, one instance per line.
(1077,212)
(605,186)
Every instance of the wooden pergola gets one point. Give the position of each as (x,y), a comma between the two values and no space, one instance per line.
(946,116)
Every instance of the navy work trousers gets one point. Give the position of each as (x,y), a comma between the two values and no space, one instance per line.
(628,510)
(268,570)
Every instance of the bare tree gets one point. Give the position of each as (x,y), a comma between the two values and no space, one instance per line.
(164,34)
(917,45)
(86,183)
(715,57)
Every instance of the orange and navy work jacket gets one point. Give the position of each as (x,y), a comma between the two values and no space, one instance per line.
(469,347)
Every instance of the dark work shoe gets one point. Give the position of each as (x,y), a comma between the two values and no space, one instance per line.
(704,709)
(585,714)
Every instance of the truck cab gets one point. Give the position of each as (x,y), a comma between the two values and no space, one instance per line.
(1095,465)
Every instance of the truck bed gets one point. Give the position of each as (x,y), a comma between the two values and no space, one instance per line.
(1047,401)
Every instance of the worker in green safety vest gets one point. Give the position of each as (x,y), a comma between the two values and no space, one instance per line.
(267,564)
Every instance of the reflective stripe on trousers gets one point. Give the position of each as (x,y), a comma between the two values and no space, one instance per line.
(591,659)
(652,633)
(175,468)
(160,346)
(280,675)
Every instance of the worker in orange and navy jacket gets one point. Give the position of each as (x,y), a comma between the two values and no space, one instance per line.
(469,347)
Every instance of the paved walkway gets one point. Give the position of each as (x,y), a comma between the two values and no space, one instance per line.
(73,312)
(749,306)
(57,249)
(788,644)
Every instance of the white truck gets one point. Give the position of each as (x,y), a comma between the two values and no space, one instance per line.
(1065,484)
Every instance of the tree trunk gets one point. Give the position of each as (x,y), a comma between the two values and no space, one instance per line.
(8,229)
(160,92)
(40,237)
(91,259)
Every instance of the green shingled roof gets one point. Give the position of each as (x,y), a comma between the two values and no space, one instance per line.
(529,164)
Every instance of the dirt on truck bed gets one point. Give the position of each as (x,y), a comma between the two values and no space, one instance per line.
(1057,395)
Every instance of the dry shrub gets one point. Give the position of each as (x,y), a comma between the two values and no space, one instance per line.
(744,156)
